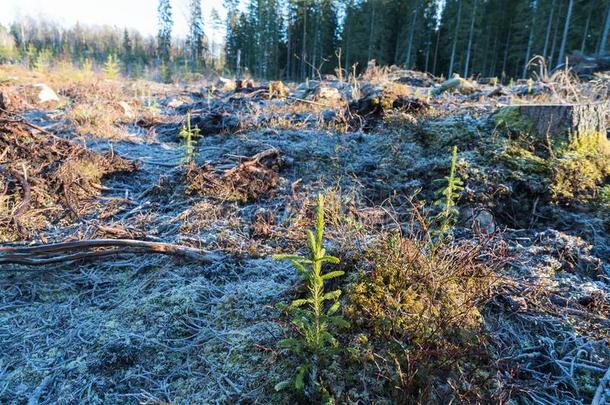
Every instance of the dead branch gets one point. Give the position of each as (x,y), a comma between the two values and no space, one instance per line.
(21,120)
(253,161)
(599,399)
(84,249)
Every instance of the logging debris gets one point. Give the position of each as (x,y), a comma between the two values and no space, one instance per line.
(44,178)
(252,178)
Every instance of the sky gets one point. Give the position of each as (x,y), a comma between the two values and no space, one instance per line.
(137,14)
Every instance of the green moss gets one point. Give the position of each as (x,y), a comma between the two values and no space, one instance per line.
(90,171)
(571,173)
(579,172)
(511,119)
(521,159)
(412,311)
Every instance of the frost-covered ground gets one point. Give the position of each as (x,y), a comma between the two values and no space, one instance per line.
(155,329)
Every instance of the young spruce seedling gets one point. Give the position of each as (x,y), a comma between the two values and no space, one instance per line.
(188,133)
(447,199)
(313,318)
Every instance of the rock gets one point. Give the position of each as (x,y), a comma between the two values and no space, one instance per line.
(224,83)
(216,122)
(329,78)
(377,99)
(180,101)
(491,81)
(45,94)
(40,94)
(410,104)
(332,91)
(304,89)
(328,115)
(484,223)
(413,78)
(175,103)
(496,92)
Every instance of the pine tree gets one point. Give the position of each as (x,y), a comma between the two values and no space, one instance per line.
(196,36)
(127,53)
(164,36)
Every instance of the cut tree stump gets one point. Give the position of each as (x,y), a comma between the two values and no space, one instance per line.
(557,123)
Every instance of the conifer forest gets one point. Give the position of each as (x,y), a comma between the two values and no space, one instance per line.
(305,202)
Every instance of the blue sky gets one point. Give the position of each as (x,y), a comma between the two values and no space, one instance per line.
(138,14)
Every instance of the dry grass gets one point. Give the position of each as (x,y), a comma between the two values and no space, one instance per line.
(96,106)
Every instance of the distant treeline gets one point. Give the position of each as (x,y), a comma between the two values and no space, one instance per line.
(297,39)
(39,42)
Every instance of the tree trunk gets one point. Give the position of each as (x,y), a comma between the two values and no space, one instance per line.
(348,23)
(554,43)
(304,44)
(371,30)
(428,45)
(288,54)
(492,70)
(549,25)
(604,40)
(470,35)
(566,29)
(438,35)
(530,40)
(455,38)
(411,34)
(583,44)
(506,52)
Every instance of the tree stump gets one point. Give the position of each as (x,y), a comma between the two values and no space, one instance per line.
(557,124)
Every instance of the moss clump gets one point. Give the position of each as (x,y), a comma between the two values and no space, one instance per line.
(571,173)
(581,169)
(390,92)
(510,119)
(521,159)
(416,316)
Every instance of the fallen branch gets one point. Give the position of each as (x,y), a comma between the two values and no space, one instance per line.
(599,399)
(21,120)
(83,249)
(252,161)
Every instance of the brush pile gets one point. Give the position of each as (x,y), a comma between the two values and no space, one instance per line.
(45,179)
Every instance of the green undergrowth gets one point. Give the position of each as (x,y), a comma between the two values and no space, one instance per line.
(571,175)
(416,322)
(411,329)
(580,171)
(574,171)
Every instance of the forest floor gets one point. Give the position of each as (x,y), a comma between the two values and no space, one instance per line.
(105,160)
